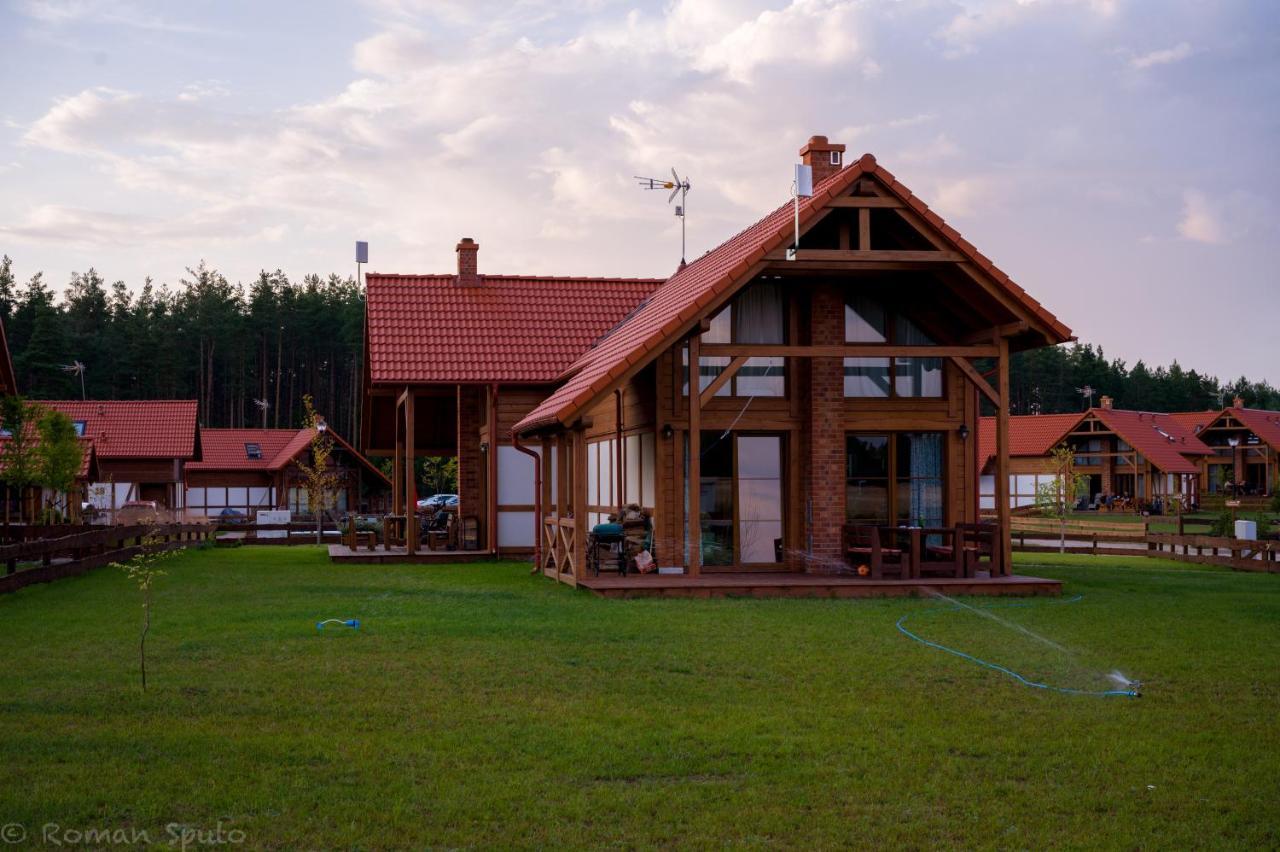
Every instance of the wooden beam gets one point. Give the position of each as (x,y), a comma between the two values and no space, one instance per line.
(847,350)
(579,504)
(1009,329)
(864,229)
(978,381)
(854,256)
(410,487)
(1002,462)
(865,201)
(721,380)
(694,483)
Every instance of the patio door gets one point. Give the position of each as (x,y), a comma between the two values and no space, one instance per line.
(741,499)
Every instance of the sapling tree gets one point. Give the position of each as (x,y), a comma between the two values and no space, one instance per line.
(1056,497)
(144,569)
(318,472)
(58,455)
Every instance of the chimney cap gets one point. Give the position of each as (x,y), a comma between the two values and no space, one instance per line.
(467,243)
(820,143)
(1237,402)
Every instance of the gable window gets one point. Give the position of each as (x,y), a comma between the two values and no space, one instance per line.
(756,315)
(868,321)
(253,451)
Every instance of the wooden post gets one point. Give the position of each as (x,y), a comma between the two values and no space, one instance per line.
(694,483)
(579,503)
(1002,459)
(410,487)
(397,467)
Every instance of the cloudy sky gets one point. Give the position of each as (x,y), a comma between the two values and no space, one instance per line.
(1118,158)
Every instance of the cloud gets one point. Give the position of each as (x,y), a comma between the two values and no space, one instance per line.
(1167,56)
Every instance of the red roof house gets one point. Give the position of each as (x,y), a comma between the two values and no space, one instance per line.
(141,446)
(244,470)
(835,385)
(1245,451)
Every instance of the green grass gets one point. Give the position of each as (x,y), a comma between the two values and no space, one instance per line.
(481,707)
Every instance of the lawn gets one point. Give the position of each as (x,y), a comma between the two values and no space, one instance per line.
(478,706)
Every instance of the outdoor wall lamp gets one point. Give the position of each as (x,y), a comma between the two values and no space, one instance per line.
(667,431)
(484,446)
(964,431)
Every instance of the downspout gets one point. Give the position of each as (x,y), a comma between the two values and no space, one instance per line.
(537,500)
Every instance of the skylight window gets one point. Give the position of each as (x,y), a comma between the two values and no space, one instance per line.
(79,426)
(253,451)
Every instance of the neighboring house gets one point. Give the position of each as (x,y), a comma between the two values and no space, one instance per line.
(142,448)
(463,357)
(32,503)
(245,470)
(1142,455)
(1245,445)
(834,384)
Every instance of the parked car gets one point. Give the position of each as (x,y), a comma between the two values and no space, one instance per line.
(138,512)
(438,501)
(232,516)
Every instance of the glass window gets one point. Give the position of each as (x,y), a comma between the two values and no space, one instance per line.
(715,499)
(760,498)
(757,315)
(868,321)
(253,451)
(867,478)
(897,478)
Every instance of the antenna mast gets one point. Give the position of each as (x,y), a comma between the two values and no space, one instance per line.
(677,187)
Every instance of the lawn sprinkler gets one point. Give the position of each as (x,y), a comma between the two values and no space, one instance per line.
(353,623)
(1131,688)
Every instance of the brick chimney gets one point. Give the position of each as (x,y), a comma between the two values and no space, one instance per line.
(1105,402)
(825,158)
(468,276)
(1238,402)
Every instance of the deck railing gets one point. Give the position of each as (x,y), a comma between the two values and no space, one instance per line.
(560,551)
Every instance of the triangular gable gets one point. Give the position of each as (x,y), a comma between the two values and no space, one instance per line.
(1265,424)
(302,441)
(696,289)
(1159,438)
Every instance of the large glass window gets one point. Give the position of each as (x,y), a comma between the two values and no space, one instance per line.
(740,499)
(757,315)
(897,478)
(715,499)
(867,321)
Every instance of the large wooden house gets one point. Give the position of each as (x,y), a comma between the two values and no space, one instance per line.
(243,471)
(1144,459)
(834,346)
(1245,451)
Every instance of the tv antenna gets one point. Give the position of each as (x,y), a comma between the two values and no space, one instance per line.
(677,187)
(76,368)
(1087,392)
(263,405)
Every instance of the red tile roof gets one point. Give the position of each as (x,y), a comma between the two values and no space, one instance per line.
(427,328)
(1264,424)
(1160,438)
(671,310)
(1029,435)
(87,458)
(224,449)
(1194,420)
(139,428)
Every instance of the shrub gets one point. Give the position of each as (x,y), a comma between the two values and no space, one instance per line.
(1222,524)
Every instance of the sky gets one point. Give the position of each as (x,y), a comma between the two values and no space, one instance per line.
(1117,158)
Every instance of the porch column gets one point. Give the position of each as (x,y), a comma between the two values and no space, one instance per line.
(694,483)
(410,488)
(1002,458)
(397,467)
(579,502)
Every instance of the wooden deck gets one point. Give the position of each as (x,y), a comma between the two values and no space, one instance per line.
(400,556)
(795,585)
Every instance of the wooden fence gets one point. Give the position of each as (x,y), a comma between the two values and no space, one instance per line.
(1043,535)
(297,532)
(78,553)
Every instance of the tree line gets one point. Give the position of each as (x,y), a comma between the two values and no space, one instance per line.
(249,354)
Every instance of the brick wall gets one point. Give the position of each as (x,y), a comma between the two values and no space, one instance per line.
(470,461)
(824,476)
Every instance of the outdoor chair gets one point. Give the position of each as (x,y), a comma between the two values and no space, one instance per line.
(441,531)
(865,545)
